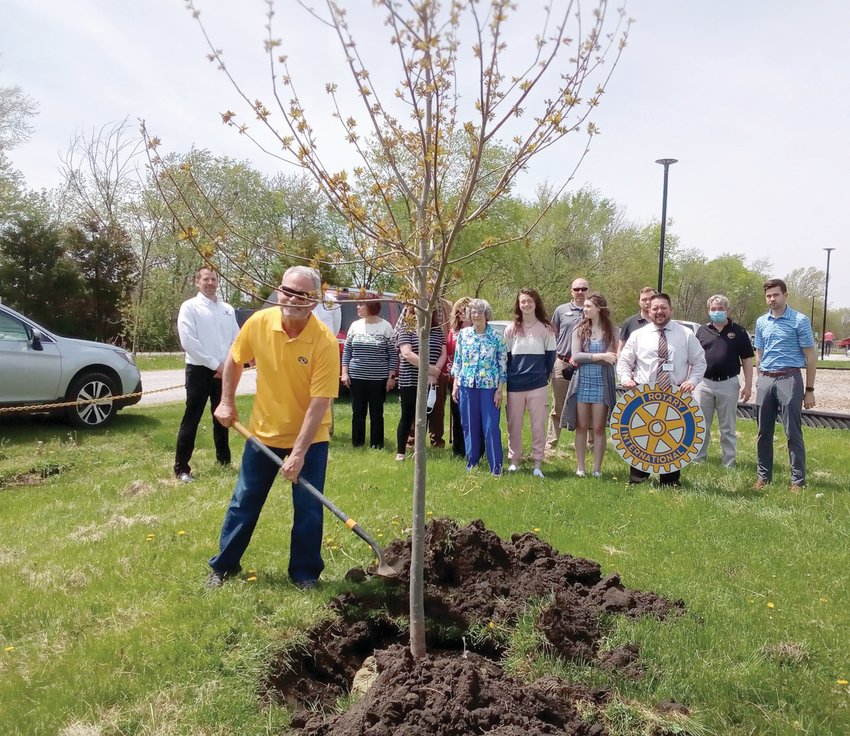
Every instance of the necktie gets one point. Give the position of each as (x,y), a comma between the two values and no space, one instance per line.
(663,377)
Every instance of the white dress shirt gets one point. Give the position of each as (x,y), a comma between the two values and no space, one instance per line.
(332,317)
(207,329)
(639,360)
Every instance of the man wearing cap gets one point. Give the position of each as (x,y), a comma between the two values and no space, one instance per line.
(727,350)
(784,346)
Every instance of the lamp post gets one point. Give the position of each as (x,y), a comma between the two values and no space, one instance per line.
(666,163)
(825,295)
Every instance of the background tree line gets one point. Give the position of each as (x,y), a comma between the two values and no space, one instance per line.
(109,256)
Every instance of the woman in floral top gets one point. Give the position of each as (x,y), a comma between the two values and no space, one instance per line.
(480,373)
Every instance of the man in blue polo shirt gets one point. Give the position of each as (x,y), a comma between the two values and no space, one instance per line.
(784,346)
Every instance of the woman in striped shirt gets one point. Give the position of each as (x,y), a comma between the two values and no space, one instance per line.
(369,367)
(407,342)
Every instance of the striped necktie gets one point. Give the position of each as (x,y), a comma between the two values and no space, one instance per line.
(663,376)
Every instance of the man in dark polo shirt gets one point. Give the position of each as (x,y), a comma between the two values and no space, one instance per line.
(636,321)
(784,346)
(727,349)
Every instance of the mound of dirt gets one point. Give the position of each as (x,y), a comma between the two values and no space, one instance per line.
(473,580)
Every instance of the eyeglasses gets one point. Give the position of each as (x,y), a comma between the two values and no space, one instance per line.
(579,288)
(305,295)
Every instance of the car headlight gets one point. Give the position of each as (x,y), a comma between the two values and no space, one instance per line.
(127,356)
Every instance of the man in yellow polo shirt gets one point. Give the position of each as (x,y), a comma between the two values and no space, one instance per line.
(297,362)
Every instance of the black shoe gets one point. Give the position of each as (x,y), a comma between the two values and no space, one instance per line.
(216,578)
(307,584)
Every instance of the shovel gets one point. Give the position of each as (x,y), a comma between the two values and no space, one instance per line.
(384,570)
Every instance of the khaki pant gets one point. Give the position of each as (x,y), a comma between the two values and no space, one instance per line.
(559,395)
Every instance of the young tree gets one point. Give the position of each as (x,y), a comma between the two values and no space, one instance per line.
(424,168)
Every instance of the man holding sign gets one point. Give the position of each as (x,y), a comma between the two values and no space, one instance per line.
(663,353)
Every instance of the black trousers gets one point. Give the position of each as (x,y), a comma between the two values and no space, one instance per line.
(671,479)
(367,397)
(458,442)
(407,395)
(200,386)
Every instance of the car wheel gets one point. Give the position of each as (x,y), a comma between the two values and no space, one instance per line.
(85,388)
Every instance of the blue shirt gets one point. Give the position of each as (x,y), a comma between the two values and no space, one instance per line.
(480,360)
(782,339)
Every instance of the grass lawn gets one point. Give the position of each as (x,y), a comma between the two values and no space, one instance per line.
(841,365)
(106,629)
(160,361)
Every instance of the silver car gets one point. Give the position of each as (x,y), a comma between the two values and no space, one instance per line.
(38,368)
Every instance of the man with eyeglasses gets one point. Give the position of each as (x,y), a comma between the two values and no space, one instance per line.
(564,320)
(297,362)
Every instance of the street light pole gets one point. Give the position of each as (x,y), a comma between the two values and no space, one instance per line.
(825,295)
(666,163)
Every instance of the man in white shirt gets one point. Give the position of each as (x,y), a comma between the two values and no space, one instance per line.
(639,362)
(207,327)
(329,313)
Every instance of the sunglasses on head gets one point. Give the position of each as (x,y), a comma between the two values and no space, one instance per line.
(579,288)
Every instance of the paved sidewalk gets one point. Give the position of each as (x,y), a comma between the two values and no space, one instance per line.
(161,379)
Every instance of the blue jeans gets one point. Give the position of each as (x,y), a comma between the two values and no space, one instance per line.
(479,414)
(256,477)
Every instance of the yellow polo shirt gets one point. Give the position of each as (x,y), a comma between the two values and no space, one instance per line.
(290,372)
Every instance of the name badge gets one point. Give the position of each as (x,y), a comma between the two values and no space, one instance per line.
(668,366)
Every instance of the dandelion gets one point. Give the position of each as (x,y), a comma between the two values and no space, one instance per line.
(824,600)
(429,513)
(251,578)
(181,533)
(536,529)
(10,648)
(841,682)
(150,537)
(770,605)
(252,572)
(491,625)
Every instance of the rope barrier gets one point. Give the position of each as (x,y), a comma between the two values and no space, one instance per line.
(107,400)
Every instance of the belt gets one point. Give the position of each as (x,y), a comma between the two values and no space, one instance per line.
(563,358)
(784,373)
(725,378)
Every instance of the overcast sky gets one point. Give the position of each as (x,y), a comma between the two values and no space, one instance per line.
(752,98)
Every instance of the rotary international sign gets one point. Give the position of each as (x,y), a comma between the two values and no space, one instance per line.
(657,431)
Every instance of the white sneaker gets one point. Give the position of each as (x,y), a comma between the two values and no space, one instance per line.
(538,473)
(579,473)
(512,468)
(597,473)
(400,457)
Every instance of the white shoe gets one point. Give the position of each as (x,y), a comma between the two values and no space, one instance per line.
(538,473)
(579,473)
(597,473)
(400,457)
(512,468)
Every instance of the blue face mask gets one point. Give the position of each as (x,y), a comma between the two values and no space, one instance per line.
(717,316)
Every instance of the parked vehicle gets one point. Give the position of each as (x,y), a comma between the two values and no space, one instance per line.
(39,368)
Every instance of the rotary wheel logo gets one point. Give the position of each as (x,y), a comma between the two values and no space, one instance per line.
(657,431)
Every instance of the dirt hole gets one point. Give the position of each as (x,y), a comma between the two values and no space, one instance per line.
(32,477)
(478,590)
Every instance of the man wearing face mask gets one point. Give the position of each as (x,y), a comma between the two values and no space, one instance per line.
(727,349)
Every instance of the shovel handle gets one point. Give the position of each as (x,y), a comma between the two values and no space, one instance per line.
(320,497)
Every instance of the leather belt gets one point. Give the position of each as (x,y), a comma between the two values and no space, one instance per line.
(784,373)
(563,358)
(725,378)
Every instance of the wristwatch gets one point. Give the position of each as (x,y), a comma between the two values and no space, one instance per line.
(810,388)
